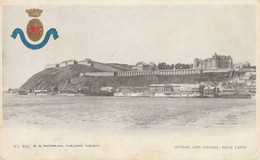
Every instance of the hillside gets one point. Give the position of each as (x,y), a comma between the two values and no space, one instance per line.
(111,67)
(56,77)
(68,78)
(97,82)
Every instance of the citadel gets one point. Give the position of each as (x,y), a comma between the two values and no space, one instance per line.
(211,77)
(217,63)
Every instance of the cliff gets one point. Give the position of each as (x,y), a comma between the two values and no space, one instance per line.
(68,78)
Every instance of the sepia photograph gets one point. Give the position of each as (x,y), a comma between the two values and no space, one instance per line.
(130,81)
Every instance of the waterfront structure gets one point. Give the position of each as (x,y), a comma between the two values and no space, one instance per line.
(215,62)
(176,90)
(123,91)
(209,91)
(132,91)
(107,89)
(160,88)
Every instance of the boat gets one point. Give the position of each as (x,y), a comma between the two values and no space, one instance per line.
(138,94)
(121,94)
(22,93)
(192,95)
(237,95)
(162,95)
(135,94)
(41,92)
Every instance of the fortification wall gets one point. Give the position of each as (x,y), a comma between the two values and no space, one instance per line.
(97,74)
(160,72)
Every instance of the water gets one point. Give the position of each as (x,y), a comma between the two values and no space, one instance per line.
(128,113)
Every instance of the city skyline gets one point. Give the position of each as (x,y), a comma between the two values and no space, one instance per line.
(129,34)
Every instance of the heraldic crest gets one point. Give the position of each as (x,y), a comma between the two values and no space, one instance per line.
(35,31)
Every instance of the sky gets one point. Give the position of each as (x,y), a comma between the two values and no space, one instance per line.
(128,34)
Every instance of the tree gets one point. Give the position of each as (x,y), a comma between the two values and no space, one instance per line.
(55,89)
(162,65)
(140,63)
(172,66)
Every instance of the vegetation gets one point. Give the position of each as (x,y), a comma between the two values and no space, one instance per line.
(163,65)
(68,78)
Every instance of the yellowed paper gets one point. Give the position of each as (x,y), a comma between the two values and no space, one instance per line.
(78,82)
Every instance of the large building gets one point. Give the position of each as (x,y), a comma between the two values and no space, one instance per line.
(68,63)
(86,62)
(142,66)
(51,66)
(216,62)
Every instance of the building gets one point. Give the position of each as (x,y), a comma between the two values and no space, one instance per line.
(82,74)
(182,89)
(160,88)
(242,65)
(51,66)
(107,89)
(132,91)
(86,62)
(123,91)
(71,62)
(63,64)
(142,66)
(246,69)
(215,62)
(209,91)
(68,63)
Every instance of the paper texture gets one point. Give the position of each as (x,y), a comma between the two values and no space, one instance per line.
(129,80)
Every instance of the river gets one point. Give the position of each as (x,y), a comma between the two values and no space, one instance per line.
(128,113)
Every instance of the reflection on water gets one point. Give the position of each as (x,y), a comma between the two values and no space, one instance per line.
(128,113)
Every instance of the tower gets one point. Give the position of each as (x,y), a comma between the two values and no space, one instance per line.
(215,61)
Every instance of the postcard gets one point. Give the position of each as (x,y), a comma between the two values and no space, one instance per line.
(130,80)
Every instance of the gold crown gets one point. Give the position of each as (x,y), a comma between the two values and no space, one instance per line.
(34,12)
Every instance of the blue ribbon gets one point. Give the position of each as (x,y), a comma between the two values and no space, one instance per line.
(50,32)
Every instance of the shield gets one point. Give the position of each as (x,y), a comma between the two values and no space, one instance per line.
(34,29)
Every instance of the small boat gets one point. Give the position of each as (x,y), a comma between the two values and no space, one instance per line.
(22,93)
(162,95)
(185,95)
(120,94)
(237,96)
(41,94)
(137,94)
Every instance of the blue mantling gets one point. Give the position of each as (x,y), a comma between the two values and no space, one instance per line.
(50,32)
